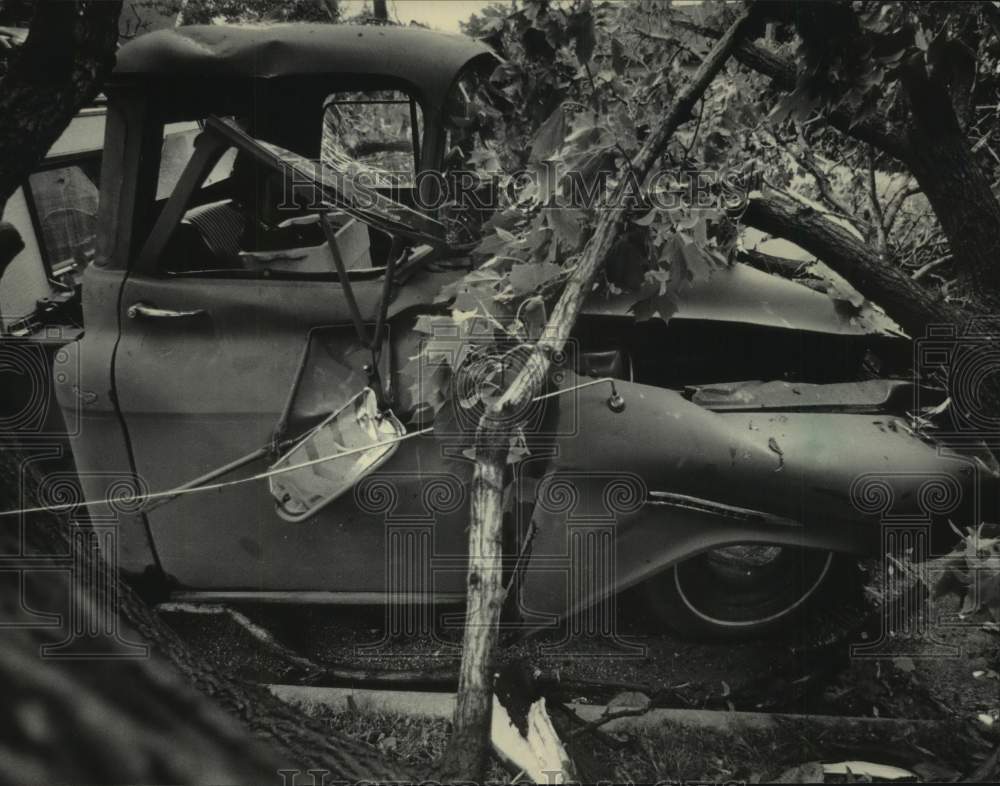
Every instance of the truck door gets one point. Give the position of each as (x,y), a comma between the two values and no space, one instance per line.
(213,336)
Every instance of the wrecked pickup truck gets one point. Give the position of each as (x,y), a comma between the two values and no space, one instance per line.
(239,372)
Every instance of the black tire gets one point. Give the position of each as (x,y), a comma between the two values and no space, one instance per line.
(749,591)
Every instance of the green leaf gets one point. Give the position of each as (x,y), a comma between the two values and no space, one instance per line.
(533,317)
(549,137)
(428,391)
(696,262)
(584,128)
(794,106)
(627,264)
(432,324)
(527,278)
(567,225)
(505,235)
(904,664)
(491,245)
(658,306)
(518,447)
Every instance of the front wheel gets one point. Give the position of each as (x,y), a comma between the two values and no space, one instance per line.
(748,591)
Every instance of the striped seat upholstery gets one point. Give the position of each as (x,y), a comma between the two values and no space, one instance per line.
(221,226)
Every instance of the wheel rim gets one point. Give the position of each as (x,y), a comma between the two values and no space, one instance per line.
(749,584)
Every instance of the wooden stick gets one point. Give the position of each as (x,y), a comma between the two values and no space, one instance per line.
(466,755)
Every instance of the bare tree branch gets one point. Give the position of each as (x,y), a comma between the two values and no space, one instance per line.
(934,264)
(878,216)
(467,750)
(896,203)
(784,76)
(823,184)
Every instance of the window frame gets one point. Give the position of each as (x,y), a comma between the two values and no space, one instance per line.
(417,118)
(61,161)
(197,129)
(217,138)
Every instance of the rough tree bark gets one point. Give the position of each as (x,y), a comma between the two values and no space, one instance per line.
(912,305)
(135,720)
(97,720)
(940,156)
(768,263)
(466,755)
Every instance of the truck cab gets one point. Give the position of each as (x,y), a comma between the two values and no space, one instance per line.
(227,295)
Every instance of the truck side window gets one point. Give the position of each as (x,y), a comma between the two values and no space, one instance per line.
(64,201)
(278,213)
(177,149)
(244,228)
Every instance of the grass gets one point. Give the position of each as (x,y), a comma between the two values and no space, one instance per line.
(416,741)
(677,753)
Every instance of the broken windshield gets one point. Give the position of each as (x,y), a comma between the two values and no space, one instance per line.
(380,129)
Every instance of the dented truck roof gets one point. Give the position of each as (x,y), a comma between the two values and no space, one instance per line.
(425,60)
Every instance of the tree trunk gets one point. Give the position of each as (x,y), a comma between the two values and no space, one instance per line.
(467,750)
(942,161)
(69,51)
(134,719)
(380,10)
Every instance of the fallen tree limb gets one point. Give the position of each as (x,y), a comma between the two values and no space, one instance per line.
(905,300)
(465,757)
(784,76)
(935,147)
(105,704)
(768,263)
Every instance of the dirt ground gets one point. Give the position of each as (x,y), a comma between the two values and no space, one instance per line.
(947,674)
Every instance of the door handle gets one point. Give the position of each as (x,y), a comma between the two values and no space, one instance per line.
(142,310)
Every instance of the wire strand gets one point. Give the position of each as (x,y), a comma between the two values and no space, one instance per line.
(180,491)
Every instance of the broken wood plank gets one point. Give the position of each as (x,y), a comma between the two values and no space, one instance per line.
(539,754)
